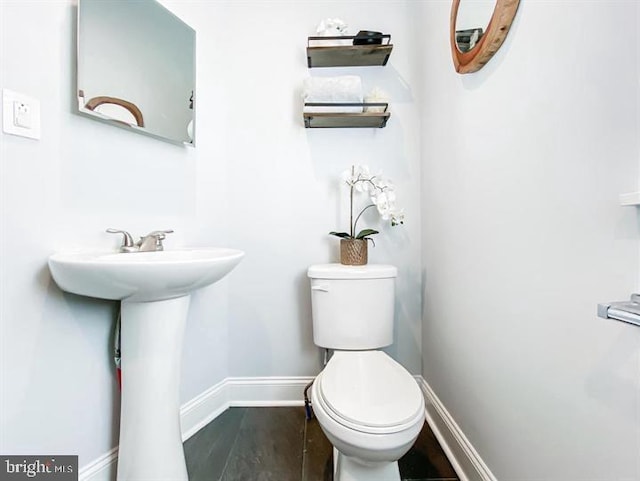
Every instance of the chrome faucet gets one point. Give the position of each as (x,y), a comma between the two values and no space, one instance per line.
(149,243)
(153,241)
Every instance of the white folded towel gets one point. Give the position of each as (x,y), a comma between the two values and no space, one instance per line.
(337,109)
(343,89)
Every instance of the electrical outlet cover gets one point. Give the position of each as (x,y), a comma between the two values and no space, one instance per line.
(19,125)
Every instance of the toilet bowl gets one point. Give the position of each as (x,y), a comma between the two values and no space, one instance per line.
(369,406)
(371,410)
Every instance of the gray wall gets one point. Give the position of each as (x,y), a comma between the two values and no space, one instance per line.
(257,181)
(523,163)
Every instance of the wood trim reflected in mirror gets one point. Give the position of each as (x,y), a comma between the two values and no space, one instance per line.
(131,107)
(497,30)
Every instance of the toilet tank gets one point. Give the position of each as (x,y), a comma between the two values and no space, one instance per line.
(352,306)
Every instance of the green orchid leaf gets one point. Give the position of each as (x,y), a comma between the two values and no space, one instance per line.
(342,235)
(366,232)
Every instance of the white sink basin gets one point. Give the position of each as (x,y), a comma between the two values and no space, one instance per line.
(155,289)
(141,276)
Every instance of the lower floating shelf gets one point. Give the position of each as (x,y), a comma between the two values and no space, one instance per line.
(323,116)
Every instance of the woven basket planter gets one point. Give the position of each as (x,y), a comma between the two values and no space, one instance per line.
(353,252)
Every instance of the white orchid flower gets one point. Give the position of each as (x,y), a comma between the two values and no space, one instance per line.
(347,177)
(361,174)
(381,193)
(397,217)
(383,184)
(356,176)
(385,203)
(383,199)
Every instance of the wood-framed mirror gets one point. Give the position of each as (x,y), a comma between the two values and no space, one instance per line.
(478,29)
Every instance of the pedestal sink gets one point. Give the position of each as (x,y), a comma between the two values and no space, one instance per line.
(155,289)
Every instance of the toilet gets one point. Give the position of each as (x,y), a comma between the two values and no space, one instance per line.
(369,406)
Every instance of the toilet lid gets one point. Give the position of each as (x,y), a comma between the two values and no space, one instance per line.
(369,389)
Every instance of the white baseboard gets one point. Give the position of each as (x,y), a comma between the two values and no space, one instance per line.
(204,408)
(463,456)
(266,391)
(100,469)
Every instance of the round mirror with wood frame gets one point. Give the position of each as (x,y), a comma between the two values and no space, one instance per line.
(487,45)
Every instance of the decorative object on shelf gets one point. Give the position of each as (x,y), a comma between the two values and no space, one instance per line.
(376,96)
(367,37)
(353,247)
(478,30)
(333,28)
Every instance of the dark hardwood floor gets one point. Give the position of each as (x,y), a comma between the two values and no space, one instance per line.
(279,444)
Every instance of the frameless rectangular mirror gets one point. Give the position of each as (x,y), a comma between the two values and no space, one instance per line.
(136,68)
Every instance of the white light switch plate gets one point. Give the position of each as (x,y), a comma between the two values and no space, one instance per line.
(20,114)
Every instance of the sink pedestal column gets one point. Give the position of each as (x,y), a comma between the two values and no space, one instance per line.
(151,349)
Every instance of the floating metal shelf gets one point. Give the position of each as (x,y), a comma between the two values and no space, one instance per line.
(348,55)
(632,198)
(364,119)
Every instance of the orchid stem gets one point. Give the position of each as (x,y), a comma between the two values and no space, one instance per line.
(357,218)
(351,203)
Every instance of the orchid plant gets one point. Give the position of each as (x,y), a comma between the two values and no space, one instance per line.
(381,195)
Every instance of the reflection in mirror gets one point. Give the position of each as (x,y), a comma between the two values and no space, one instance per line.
(116,109)
(136,67)
(478,29)
(472,21)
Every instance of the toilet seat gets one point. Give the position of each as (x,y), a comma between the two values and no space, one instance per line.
(369,392)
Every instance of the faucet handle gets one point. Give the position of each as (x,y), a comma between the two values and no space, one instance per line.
(153,240)
(127,240)
(159,234)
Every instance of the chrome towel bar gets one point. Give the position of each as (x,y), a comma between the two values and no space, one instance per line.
(625,311)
